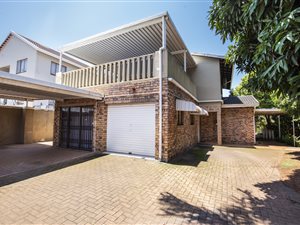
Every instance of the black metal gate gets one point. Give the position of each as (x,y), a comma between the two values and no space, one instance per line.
(76,130)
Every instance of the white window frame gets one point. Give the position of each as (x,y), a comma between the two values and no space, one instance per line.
(56,68)
(21,66)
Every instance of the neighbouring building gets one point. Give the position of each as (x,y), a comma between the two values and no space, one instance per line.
(25,57)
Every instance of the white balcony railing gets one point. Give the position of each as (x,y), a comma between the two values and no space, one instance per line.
(136,68)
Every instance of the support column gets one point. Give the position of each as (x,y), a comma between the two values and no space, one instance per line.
(60,61)
(279,128)
(27,115)
(198,129)
(294,135)
(219,127)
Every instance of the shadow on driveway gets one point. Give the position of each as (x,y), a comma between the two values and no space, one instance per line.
(194,156)
(276,208)
(19,162)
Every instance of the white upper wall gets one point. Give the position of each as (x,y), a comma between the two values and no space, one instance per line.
(43,65)
(15,50)
(206,77)
(38,64)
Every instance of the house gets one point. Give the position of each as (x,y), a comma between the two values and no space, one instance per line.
(25,57)
(159,99)
(231,119)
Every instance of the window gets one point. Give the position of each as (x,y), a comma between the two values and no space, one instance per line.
(54,68)
(192,119)
(21,66)
(180,117)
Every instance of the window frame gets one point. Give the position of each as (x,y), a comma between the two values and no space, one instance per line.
(180,118)
(63,68)
(23,69)
(192,119)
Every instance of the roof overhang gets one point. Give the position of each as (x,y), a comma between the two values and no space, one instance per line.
(135,39)
(269,111)
(24,88)
(45,50)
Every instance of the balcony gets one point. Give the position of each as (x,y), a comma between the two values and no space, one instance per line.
(131,69)
(126,70)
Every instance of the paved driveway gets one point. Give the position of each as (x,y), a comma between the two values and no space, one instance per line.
(235,186)
(21,161)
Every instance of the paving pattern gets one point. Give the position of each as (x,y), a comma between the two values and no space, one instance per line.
(235,186)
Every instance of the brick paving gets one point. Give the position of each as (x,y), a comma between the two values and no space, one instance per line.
(235,186)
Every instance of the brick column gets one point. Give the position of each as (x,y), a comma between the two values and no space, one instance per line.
(219,127)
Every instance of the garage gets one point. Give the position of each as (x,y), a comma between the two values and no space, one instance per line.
(131,129)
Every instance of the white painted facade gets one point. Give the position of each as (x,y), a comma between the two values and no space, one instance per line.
(206,77)
(38,67)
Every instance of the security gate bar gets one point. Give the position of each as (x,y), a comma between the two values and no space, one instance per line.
(77,127)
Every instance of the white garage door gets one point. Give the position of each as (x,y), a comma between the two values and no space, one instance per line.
(131,129)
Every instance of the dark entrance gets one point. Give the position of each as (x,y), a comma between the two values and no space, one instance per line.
(76,130)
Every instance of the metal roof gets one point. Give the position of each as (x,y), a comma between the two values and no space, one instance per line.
(138,38)
(241,101)
(23,88)
(46,50)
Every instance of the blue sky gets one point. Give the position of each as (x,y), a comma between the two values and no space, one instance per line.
(55,23)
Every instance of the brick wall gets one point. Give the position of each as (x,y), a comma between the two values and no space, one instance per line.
(238,126)
(208,128)
(176,139)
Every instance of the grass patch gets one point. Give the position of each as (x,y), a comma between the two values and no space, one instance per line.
(194,156)
(288,164)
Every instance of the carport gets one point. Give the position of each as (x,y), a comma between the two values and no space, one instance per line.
(28,89)
(34,159)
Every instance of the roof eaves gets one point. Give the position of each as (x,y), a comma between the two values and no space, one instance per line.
(208,55)
(50,52)
(111,32)
(25,40)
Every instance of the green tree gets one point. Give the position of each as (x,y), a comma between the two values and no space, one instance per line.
(265,36)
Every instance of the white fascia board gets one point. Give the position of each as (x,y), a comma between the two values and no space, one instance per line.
(24,40)
(46,52)
(21,81)
(211,101)
(208,55)
(63,59)
(113,32)
(237,106)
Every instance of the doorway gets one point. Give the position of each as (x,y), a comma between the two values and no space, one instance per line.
(76,130)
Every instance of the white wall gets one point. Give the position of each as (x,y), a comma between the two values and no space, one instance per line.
(43,65)
(38,64)
(206,77)
(15,50)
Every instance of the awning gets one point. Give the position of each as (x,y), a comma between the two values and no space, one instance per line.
(131,40)
(187,106)
(269,111)
(23,88)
